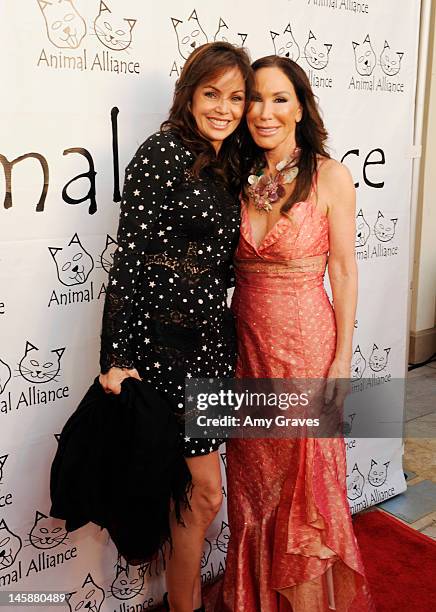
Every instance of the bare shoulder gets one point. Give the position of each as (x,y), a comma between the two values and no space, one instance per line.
(336,184)
(333,173)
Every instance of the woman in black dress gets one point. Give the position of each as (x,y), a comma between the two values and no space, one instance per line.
(166,316)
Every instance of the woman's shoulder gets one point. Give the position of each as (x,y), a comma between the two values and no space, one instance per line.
(165,146)
(332,169)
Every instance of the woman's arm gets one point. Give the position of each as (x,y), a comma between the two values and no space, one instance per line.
(342,268)
(153,173)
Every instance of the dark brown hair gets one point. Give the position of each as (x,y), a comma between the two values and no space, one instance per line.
(310,132)
(206,62)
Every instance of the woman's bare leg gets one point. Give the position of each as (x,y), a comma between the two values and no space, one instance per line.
(183,567)
(327,580)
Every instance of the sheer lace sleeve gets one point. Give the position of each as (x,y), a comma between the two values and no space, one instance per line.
(154,171)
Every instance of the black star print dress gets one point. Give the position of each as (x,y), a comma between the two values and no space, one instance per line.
(166,310)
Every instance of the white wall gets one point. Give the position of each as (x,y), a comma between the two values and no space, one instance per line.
(424,278)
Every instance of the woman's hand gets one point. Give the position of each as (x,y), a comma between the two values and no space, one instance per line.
(336,389)
(111,381)
(338,382)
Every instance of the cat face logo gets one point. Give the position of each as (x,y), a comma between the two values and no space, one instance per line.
(362,230)
(222,539)
(384,229)
(65,27)
(107,256)
(348,424)
(73,263)
(316,53)
(390,61)
(155,567)
(10,546)
(46,532)
(2,463)
(285,44)
(190,34)
(358,364)
(355,483)
(40,366)
(226,35)
(112,31)
(378,359)
(364,57)
(207,550)
(128,582)
(378,473)
(5,375)
(89,597)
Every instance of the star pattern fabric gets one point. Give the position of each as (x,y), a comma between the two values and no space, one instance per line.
(166,310)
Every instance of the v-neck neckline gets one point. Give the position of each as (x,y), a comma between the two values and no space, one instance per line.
(259,246)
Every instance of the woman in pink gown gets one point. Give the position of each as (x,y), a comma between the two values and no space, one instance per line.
(292,545)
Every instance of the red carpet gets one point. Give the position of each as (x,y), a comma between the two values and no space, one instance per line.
(400,563)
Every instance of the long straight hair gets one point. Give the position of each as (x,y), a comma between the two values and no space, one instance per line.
(310,133)
(207,62)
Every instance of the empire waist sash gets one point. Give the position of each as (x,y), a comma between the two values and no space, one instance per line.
(317,263)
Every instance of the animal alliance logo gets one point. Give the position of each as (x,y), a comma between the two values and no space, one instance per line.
(2,463)
(378,371)
(383,230)
(88,597)
(347,425)
(39,366)
(285,44)
(316,53)
(107,255)
(358,364)
(222,539)
(65,27)
(207,550)
(5,375)
(376,478)
(46,533)
(355,483)
(112,30)
(6,499)
(10,546)
(73,262)
(67,30)
(74,265)
(365,62)
(378,360)
(378,473)
(190,34)
(226,34)
(128,581)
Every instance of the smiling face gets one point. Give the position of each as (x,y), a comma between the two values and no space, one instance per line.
(274,112)
(218,105)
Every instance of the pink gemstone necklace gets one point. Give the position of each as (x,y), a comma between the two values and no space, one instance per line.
(265,191)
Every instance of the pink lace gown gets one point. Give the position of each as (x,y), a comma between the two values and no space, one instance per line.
(288,511)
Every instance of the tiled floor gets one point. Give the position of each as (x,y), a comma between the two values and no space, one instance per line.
(420,440)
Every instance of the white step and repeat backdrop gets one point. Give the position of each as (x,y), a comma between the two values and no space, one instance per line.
(83,83)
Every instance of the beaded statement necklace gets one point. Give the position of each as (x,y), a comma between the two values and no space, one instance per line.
(264,191)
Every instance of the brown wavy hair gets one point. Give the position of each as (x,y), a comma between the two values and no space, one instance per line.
(208,62)
(310,133)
